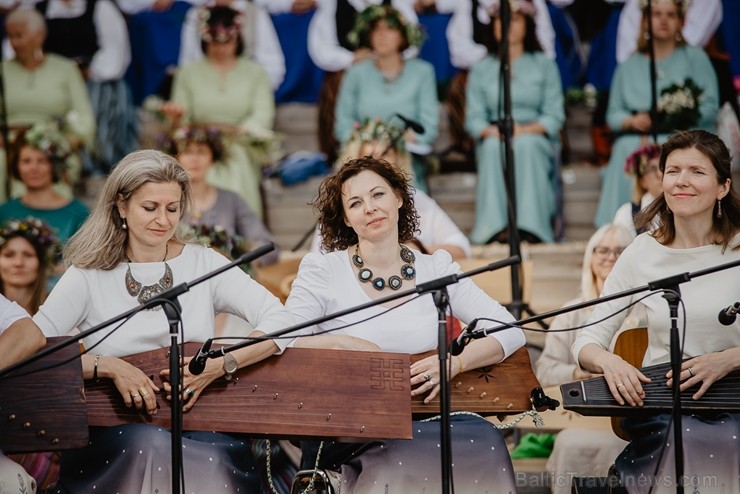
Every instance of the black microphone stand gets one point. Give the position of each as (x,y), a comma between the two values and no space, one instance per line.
(670,286)
(171,306)
(438,288)
(506,130)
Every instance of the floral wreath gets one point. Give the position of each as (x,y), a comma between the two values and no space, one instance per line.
(360,34)
(376,129)
(218,32)
(217,238)
(683,5)
(520,6)
(49,137)
(38,233)
(176,141)
(639,159)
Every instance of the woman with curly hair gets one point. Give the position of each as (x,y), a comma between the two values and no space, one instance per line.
(367,218)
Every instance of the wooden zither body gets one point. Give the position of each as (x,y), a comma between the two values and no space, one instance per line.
(303,393)
(592,396)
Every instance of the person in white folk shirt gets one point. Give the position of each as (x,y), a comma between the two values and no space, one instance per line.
(19,338)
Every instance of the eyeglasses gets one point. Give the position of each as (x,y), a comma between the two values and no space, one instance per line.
(605,251)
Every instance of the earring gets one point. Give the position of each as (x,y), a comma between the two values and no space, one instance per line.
(646,35)
(719,209)
(679,38)
(123,223)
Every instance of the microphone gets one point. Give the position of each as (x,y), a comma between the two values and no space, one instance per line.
(458,344)
(198,363)
(727,316)
(411,124)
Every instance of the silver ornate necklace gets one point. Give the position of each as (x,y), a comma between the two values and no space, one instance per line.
(408,272)
(144,293)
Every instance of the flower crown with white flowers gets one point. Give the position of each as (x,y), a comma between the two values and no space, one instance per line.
(38,234)
(683,5)
(218,32)
(519,6)
(365,20)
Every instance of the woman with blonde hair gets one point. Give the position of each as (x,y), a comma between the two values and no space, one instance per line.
(127,251)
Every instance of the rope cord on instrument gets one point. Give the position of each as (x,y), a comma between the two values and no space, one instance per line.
(536,418)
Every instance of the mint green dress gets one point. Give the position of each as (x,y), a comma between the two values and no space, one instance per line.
(54,90)
(244,97)
(630,94)
(536,96)
(365,94)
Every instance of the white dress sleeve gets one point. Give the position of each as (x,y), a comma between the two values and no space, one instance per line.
(66,306)
(323,47)
(114,53)
(10,312)
(464,52)
(267,50)
(436,226)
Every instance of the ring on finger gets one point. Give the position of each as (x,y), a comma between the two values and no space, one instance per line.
(426,376)
(431,381)
(189,392)
(143,391)
(691,371)
(620,385)
(135,395)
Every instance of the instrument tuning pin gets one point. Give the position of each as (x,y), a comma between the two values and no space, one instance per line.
(300,405)
(55,440)
(275,397)
(11,416)
(496,399)
(509,406)
(41,433)
(328,416)
(470,389)
(254,388)
(362,428)
(458,384)
(27,425)
(483,394)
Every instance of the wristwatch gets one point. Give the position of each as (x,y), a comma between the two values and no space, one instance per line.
(230,366)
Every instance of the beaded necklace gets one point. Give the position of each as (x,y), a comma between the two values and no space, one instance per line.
(408,272)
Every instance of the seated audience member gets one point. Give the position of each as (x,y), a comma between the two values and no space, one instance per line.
(436,229)
(215,209)
(227,90)
(261,42)
(643,164)
(39,159)
(28,253)
(128,250)
(331,51)
(538,114)
(699,226)
(388,84)
(367,217)
(19,338)
(42,86)
(93,34)
(628,112)
(577,451)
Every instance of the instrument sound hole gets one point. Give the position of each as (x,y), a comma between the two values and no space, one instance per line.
(574,393)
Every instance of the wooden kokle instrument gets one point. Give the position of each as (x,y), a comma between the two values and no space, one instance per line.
(42,406)
(310,393)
